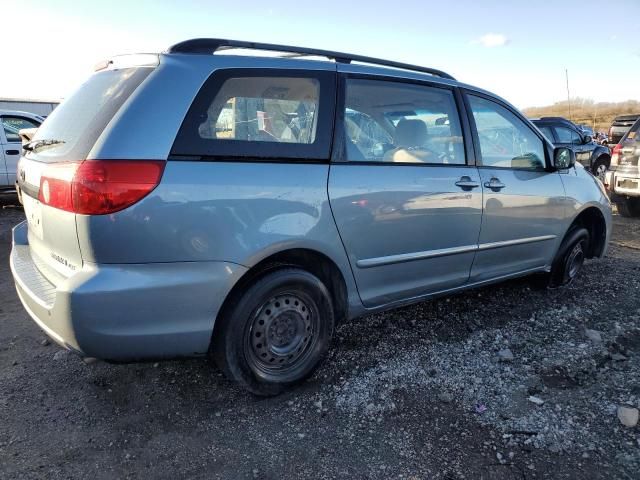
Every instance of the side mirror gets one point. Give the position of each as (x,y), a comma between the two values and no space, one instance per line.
(563,158)
(588,139)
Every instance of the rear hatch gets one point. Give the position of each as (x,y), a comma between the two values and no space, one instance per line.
(54,156)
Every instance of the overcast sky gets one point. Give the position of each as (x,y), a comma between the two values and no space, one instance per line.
(518,49)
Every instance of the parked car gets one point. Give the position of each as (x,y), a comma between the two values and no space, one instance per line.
(624,180)
(621,125)
(194,202)
(586,130)
(11,144)
(562,132)
(601,138)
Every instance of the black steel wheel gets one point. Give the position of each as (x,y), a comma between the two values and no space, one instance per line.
(275,332)
(570,258)
(568,261)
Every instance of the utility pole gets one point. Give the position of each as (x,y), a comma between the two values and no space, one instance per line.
(566,73)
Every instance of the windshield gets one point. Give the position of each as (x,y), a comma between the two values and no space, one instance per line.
(71,130)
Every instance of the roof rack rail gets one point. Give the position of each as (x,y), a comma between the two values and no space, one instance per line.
(212,45)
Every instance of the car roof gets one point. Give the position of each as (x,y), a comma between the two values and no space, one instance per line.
(298,57)
(554,120)
(209,46)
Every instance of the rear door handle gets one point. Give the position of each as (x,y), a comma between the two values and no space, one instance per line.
(494,184)
(12,152)
(466,183)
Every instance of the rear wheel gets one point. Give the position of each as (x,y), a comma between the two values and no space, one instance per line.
(568,261)
(629,207)
(275,333)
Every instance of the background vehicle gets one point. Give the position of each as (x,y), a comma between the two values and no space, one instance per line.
(621,125)
(601,138)
(11,123)
(586,130)
(624,181)
(240,206)
(564,133)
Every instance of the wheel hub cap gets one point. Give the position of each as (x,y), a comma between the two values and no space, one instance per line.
(281,332)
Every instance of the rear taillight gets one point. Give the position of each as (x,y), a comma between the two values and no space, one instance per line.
(98,187)
(615,154)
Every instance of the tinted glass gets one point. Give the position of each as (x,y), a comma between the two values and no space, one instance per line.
(505,140)
(546,131)
(566,135)
(401,123)
(264,109)
(79,120)
(12,125)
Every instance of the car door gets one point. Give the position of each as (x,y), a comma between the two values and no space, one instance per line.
(523,201)
(404,190)
(11,125)
(567,137)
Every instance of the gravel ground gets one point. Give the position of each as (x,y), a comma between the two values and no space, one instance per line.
(503,382)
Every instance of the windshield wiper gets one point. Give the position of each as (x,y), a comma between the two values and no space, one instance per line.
(34,145)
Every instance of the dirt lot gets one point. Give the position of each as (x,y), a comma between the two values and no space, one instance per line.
(436,390)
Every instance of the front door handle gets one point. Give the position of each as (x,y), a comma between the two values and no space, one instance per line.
(12,152)
(466,183)
(494,184)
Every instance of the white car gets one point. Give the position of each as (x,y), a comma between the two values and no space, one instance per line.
(10,141)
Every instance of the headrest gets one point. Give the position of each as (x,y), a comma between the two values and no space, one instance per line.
(410,133)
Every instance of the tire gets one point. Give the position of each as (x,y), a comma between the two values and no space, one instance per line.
(276,332)
(629,207)
(568,261)
(600,167)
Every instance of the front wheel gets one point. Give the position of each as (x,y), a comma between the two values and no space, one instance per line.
(599,167)
(568,261)
(629,207)
(275,333)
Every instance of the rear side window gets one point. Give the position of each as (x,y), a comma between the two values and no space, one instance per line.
(566,135)
(73,127)
(394,122)
(546,131)
(277,114)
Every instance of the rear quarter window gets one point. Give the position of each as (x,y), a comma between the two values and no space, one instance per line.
(265,114)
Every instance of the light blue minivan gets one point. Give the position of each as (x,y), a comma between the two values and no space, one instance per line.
(203,201)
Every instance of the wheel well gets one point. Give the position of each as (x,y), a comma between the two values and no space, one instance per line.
(310,260)
(593,220)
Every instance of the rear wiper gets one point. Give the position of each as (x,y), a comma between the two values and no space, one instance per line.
(34,145)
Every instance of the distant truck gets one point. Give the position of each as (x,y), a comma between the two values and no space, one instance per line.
(621,125)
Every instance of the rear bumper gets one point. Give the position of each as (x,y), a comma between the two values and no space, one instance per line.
(624,185)
(125,312)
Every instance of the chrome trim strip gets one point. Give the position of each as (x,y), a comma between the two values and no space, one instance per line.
(409,257)
(518,241)
(443,252)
